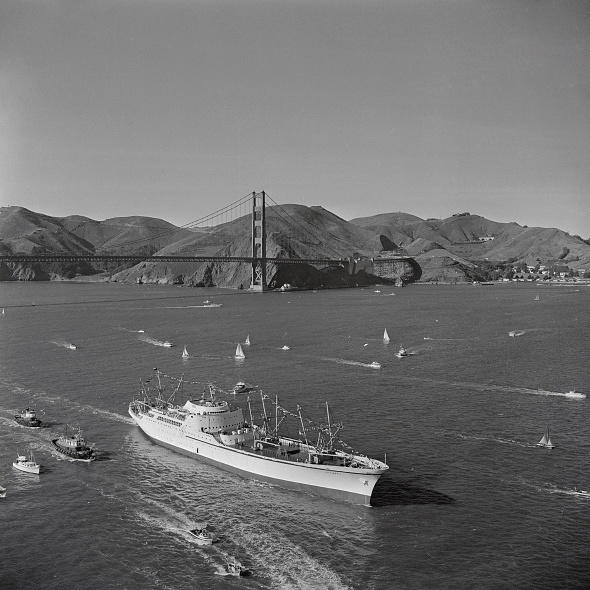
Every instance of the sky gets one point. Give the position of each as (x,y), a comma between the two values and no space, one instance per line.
(174,108)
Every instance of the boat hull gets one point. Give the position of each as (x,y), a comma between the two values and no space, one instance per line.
(34,423)
(87,457)
(27,469)
(352,485)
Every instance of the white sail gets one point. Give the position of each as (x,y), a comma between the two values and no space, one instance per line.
(239,352)
(542,442)
(385,336)
(247,341)
(185,354)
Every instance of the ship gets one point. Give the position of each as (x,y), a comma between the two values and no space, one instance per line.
(28,417)
(74,447)
(210,429)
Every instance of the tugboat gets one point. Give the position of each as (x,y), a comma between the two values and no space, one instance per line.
(74,447)
(27,465)
(28,417)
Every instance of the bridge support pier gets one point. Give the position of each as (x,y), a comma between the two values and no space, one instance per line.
(258,243)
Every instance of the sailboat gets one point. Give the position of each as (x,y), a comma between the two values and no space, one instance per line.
(546,440)
(239,352)
(247,341)
(385,337)
(185,353)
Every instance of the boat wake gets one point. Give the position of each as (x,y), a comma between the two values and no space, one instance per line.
(132,331)
(373,365)
(154,342)
(503,441)
(64,344)
(553,489)
(205,305)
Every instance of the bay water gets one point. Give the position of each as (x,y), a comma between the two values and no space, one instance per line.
(469,501)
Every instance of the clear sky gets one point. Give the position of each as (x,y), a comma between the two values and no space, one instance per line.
(172,108)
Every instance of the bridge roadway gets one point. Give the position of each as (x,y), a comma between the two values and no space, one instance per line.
(123,259)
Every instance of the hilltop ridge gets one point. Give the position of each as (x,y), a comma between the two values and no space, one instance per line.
(458,247)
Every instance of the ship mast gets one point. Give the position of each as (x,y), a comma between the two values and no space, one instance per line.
(276,415)
(302,426)
(250,410)
(264,410)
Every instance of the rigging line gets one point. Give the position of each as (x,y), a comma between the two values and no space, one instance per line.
(306,231)
(188,225)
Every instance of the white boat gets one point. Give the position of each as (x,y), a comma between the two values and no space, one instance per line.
(239,352)
(537,298)
(202,535)
(375,365)
(286,287)
(240,387)
(233,568)
(167,344)
(185,353)
(385,336)
(546,440)
(247,341)
(210,429)
(2,492)
(285,347)
(575,394)
(401,353)
(27,465)
(72,346)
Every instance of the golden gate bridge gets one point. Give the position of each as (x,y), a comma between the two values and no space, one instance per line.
(253,205)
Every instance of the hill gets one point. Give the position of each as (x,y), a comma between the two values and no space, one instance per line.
(451,248)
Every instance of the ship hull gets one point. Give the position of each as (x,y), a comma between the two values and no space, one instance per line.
(342,483)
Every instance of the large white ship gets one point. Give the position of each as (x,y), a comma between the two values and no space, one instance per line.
(210,429)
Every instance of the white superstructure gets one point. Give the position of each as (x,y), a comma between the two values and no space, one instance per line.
(209,428)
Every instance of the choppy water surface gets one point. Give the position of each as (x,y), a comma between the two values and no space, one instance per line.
(470,501)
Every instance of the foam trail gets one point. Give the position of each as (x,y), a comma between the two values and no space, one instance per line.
(163,343)
(64,344)
(553,489)
(353,363)
(193,306)
(504,441)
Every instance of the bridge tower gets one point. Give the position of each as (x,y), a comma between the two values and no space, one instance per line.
(258,242)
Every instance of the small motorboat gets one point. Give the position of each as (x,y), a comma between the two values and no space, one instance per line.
(233,568)
(240,387)
(202,535)
(2,492)
(27,465)
(375,365)
(167,344)
(401,353)
(573,394)
(285,347)
(28,417)
(72,346)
